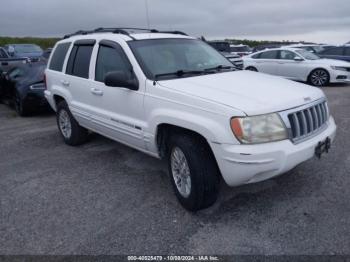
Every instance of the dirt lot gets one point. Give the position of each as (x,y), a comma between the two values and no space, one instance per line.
(104,198)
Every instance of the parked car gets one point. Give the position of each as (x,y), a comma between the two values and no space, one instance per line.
(29,51)
(224,48)
(24,86)
(47,53)
(313,48)
(340,53)
(241,50)
(300,65)
(265,46)
(6,62)
(174,97)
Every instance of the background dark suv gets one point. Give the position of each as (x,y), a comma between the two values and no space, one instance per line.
(339,52)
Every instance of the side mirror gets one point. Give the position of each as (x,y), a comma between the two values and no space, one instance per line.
(298,59)
(120,79)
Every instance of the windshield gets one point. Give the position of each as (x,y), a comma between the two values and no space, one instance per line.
(27,49)
(308,55)
(240,49)
(167,56)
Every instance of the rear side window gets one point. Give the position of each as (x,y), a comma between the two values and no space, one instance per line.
(333,51)
(79,61)
(109,60)
(58,57)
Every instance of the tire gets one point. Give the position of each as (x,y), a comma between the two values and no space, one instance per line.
(20,107)
(196,171)
(251,68)
(319,78)
(72,133)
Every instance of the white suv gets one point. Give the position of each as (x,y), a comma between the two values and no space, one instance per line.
(173,96)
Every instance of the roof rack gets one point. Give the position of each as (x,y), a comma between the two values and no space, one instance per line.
(124,31)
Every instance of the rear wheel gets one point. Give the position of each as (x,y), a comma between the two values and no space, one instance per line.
(20,108)
(319,77)
(193,172)
(251,68)
(72,133)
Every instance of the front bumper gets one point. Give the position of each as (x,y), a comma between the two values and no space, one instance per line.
(340,77)
(244,164)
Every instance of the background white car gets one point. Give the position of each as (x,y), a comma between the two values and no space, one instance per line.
(300,65)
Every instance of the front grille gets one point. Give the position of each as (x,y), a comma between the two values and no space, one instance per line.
(308,121)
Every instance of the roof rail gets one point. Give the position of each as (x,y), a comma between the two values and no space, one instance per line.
(121,30)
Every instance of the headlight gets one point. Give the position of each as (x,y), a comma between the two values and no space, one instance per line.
(39,86)
(339,68)
(259,129)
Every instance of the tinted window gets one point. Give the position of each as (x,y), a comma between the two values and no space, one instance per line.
(79,61)
(334,51)
(108,60)
(16,73)
(287,55)
(347,51)
(58,57)
(3,53)
(269,55)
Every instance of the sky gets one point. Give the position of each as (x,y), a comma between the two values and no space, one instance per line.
(323,21)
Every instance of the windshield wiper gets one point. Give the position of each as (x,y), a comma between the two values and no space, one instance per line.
(219,68)
(180,73)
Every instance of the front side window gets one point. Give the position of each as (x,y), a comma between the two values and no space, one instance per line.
(110,59)
(58,57)
(287,55)
(269,55)
(165,56)
(79,61)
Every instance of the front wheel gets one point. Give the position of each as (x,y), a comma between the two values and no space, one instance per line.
(72,133)
(319,77)
(193,172)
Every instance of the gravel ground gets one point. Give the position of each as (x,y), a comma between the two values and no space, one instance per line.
(105,198)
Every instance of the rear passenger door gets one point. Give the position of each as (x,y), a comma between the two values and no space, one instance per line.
(267,62)
(76,81)
(118,112)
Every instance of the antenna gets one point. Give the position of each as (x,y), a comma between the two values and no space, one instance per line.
(147,14)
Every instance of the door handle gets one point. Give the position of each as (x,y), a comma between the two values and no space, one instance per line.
(65,82)
(96,91)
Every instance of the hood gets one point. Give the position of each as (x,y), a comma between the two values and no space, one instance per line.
(332,62)
(250,92)
(230,55)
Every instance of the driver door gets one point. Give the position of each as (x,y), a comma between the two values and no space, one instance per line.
(118,112)
(289,68)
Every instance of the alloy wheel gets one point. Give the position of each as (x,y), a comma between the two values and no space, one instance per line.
(65,124)
(319,78)
(181,172)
